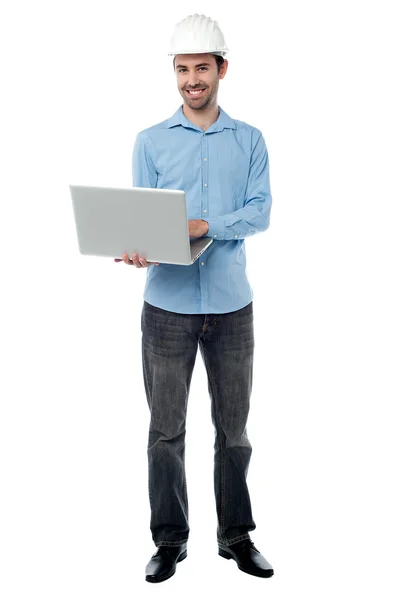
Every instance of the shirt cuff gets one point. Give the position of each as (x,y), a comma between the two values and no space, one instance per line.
(216,227)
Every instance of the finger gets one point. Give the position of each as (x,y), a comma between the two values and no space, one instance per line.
(147,263)
(144,263)
(135,261)
(126,259)
(130,262)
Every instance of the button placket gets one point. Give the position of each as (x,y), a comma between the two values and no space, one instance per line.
(205,170)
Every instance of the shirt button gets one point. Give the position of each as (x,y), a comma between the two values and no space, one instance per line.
(202,264)
(205,159)
(236,236)
(215,235)
(206,185)
(205,210)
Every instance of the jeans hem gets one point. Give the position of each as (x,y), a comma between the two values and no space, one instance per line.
(238,538)
(171,544)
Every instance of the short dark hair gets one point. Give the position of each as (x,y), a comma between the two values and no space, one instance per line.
(219,61)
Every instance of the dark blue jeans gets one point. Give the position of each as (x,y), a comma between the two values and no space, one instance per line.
(169,348)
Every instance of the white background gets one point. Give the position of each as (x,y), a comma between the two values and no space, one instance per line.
(79,80)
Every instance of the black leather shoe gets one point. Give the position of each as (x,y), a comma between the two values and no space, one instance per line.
(163,563)
(247,557)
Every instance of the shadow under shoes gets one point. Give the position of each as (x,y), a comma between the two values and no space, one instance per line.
(247,557)
(163,563)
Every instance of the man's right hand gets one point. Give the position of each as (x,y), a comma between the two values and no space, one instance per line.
(140,263)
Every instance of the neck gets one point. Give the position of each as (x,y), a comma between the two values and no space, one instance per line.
(202,118)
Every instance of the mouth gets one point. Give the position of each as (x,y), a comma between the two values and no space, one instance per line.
(195,93)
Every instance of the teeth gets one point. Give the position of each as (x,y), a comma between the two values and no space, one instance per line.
(195,93)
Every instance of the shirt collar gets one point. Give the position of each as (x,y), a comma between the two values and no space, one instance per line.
(222,122)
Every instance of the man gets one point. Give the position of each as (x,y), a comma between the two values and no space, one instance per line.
(222,165)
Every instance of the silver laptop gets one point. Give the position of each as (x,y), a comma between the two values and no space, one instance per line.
(150,221)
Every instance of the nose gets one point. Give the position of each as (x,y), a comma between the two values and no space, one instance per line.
(193,80)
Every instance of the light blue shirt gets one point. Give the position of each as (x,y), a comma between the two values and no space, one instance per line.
(224,172)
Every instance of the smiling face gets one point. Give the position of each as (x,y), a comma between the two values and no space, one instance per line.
(198,73)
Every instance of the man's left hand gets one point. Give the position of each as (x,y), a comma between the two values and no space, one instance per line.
(197,228)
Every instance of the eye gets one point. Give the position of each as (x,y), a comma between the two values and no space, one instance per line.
(181,70)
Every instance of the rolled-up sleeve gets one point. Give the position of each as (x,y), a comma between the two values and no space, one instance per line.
(144,173)
(254,217)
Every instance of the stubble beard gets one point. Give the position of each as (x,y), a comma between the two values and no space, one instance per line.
(199,106)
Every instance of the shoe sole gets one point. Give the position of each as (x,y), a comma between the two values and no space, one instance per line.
(182,556)
(227,555)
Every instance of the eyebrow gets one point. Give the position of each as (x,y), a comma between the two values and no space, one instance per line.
(196,66)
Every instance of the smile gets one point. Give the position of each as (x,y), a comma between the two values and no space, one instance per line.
(194,92)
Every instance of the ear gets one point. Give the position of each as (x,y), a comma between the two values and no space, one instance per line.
(223,69)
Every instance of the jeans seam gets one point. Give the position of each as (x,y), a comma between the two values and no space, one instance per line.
(147,387)
(185,483)
(222,454)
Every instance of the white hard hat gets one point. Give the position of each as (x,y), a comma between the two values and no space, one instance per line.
(197,34)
